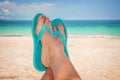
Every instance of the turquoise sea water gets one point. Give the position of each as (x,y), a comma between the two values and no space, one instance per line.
(74,27)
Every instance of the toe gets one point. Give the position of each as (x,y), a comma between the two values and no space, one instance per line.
(54,29)
(47,22)
(41,20)
(61,29)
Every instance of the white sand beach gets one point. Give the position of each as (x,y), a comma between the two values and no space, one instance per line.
(95,58)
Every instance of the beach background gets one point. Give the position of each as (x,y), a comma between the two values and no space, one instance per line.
(93,28)
(93,45)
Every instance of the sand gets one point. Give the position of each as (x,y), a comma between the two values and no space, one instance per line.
(95,58)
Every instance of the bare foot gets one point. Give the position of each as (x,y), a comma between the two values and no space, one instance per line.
(42,20)
(53,57)
(45,21)
(48,75)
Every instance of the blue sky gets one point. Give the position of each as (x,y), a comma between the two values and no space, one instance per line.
(64,9)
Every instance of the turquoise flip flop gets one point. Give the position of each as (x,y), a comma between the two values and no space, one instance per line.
(55,23)
(37,43)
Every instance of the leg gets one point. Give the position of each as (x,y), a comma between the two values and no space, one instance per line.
(48,75)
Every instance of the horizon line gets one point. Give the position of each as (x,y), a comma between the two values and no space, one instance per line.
(62,19)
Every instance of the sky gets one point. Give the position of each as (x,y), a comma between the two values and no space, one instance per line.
(64,9)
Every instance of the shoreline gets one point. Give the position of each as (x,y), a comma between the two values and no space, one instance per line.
(70,36)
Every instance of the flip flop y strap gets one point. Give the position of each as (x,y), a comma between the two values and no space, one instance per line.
(44,27)
(60,36)
(57,32)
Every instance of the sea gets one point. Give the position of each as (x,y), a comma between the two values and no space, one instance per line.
(74,27)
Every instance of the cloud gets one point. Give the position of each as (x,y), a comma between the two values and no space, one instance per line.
(83,10)
(5,9)
(10,10)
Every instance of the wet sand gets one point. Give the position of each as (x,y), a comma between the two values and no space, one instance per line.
(95,58)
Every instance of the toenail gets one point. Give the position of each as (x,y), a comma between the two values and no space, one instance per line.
(42,16)
(59,25)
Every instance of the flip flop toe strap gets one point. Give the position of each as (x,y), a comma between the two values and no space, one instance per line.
(60,36)
(44,27)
